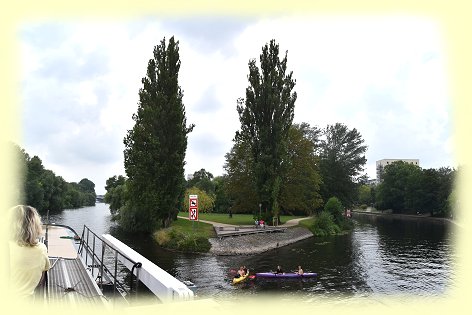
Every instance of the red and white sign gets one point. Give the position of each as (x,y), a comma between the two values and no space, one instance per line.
(193,207)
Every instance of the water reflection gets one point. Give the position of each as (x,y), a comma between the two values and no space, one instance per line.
(381,256)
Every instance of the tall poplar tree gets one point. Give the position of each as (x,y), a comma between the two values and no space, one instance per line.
(155,147)
(266,115)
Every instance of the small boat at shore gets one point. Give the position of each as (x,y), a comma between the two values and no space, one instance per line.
(287,275)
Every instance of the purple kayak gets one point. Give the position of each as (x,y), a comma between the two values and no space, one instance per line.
(285,275)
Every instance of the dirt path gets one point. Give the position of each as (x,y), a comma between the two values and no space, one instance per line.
(289,223)
(256,243)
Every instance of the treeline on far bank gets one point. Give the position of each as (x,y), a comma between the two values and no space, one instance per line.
(44,190)
(406,188)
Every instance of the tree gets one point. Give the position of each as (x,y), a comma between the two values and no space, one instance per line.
(42,189)
(446,181)
(266,116)
(34,191)
(334,207)
(116,193)
(203,180)
(88,189)
(155,147)
(206,202)
(301,179)
(399,189)
(240,180)
(365,195)
(222,201)
(342,155)
(406,188)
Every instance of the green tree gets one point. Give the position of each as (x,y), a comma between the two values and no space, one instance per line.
(301,178)
(203,180)
(155,147)
(342,153)
(266,115)
(334,207)
(447,178)
(365,195)
(222,200)
(87,187)
(115,196)
(206,202)
(74,197)
(400,188)
(34,191)
(240,180)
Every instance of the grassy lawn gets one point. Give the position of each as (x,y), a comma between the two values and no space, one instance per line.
(237,219)
(197,228)
(186,236)
(307,223)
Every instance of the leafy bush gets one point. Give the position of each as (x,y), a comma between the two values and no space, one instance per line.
(162,237)
(324,225)
(335,208)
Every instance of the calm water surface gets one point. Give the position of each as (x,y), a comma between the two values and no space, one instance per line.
(381,256)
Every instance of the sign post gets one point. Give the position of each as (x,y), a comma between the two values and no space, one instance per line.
(193,208)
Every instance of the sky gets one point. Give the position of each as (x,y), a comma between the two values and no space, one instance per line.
(386,76)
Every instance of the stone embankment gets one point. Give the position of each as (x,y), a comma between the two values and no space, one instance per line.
(257,243)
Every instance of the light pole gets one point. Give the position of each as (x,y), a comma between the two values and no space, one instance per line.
(260,205)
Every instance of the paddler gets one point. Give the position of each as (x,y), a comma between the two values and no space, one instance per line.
(300,270)
(278,270)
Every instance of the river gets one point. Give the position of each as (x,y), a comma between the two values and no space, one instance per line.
(380,256)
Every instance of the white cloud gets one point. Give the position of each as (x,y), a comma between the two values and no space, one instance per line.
(382,76)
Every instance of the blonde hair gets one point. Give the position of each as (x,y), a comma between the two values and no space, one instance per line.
(25,225)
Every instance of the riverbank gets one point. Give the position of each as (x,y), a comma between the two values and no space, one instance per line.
(257,243)
(405,216)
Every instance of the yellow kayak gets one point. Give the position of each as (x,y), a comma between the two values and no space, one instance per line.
(240,279)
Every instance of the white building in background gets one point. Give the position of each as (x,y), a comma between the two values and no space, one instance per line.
(380,164)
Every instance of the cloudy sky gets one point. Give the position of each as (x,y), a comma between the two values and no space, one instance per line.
(384,76)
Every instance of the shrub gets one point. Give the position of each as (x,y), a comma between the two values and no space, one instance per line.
(324,225)
(182,241)
(162,237)
(335,208)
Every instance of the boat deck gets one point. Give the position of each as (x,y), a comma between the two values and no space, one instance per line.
(69,283)
(68,280)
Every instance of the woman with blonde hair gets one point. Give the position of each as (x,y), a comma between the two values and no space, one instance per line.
(28,256)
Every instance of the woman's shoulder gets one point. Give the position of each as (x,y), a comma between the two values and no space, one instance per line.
(41,246)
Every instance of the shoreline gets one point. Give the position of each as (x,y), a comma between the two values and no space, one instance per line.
(406,216)
(257,243)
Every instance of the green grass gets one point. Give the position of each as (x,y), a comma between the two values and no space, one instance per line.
(186,236)
(237,219)
(307,223)
(197,228)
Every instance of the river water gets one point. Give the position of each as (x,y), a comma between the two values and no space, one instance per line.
(381,256)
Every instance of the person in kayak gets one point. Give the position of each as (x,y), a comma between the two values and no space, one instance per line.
(300,270)
(278,270)
(241,272)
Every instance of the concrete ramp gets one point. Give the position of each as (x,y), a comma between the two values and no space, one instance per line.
(160,282)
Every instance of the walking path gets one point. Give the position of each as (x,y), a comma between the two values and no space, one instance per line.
(256,243)
(289,223)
